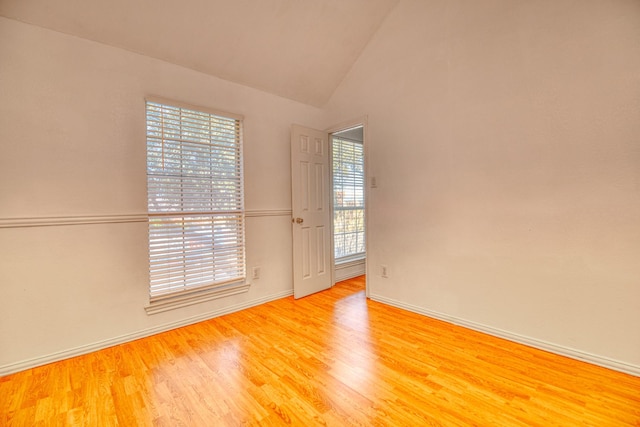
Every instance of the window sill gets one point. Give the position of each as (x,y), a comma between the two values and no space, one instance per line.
(351,259)
(179,301)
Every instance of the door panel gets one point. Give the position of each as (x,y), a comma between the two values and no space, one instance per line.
(311,220)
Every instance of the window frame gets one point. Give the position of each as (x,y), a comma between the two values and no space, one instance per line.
(234,227)
(353,256)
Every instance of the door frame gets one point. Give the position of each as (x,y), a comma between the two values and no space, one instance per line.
(362,121)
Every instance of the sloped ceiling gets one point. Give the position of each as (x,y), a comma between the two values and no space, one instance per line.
(298,49)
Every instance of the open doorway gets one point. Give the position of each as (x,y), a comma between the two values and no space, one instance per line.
(348,202)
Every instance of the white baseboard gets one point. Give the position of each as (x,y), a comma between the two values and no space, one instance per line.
(594,359)
(532,342)
(99,345)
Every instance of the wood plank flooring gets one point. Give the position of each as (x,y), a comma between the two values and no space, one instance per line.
(334,359)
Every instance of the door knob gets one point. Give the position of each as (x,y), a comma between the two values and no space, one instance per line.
(298,220)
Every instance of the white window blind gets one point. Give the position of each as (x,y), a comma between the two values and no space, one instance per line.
(195,200)
(348,198)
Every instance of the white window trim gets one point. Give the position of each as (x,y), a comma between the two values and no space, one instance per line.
(162,303)
(178,301)
(159,100)
(353,258)
(358,256)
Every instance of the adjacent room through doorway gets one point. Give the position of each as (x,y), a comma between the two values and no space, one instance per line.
(348,184)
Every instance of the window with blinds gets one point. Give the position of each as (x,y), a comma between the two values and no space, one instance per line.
(348,199)
(195,199)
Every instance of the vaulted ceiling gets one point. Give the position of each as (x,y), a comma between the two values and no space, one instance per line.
(298,49)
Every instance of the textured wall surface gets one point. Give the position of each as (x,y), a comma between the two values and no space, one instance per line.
(503,136)
(72,145)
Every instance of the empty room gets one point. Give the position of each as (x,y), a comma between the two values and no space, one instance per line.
(320,212)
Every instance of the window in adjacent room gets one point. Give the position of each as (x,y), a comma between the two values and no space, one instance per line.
(348,195)
(195,200)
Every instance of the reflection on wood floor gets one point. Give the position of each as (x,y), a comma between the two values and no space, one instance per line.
(333,358)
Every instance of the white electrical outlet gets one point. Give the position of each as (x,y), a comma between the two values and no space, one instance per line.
(384,271)
(255,273)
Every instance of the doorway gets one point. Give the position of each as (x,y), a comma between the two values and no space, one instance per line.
(348,202)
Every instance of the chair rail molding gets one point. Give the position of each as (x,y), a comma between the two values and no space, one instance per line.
(52,221)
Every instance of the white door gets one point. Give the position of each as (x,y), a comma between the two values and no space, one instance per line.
(311,222)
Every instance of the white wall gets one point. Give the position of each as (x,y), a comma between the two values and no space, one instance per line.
(504,138)
(72,144)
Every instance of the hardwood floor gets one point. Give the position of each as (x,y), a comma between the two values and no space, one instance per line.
(333,358)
